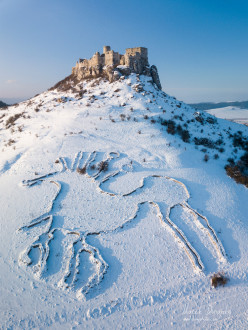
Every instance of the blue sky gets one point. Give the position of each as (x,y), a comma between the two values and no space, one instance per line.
(199,46)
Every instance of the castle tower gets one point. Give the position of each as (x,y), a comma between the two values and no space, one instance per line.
(96,59)
(139,52)
(106,49)
(108,64)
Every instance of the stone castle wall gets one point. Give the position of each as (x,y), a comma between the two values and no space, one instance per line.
(134,59)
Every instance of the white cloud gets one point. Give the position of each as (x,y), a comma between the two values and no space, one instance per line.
(10,81)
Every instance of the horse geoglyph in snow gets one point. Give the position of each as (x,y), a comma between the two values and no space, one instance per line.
(82,207)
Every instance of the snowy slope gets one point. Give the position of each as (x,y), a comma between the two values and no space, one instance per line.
(109,221)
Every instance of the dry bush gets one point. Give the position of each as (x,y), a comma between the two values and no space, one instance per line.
(171,127)
(103,166)
(200,119)
(10,142)
(185,135)
(235,172)
(218,279)
(206,158)
(204,142)
(11,121)
(81,170)
(65,84)
(244,160)
(82,92)
(239,140)
(211,120)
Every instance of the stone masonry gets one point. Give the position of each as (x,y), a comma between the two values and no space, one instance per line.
(112,65)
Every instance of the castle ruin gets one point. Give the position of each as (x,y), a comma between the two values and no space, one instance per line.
(112,64)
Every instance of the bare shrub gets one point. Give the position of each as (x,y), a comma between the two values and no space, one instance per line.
(81,170)
(244,160)
(65,84)
(218,279)
(200,119)
(103,166)
(204,142)
(231,161)
(82,92)
(235,172)
(11,121)
(238,140)
(206,158)
(9,143)
(211,120)
(122,116)
(171,127)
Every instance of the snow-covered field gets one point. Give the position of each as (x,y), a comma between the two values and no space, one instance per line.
(107,221)
(231,113)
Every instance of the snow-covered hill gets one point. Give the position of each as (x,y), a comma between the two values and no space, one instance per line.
(231,113)
(2,104)
(116,209)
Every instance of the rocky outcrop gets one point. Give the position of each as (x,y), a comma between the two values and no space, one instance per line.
(155,76)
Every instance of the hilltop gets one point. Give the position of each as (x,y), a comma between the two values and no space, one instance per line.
(117,208)
(2,104)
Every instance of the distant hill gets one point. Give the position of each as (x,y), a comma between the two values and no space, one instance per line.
(209,105)
(2,104)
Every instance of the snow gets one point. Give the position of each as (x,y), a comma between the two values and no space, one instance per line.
(132,246)
(231,113)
